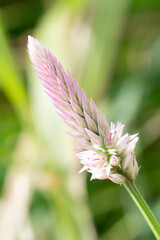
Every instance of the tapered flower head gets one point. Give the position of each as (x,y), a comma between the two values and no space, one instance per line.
(102,148)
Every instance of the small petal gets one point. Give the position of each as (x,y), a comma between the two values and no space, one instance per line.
(80,120)
(133,136)
(127,160)
(101,175)
(82,130)
(93,110)
(76,108)
(84,168)
(106,125)
(64,94)
(131,146)
(91,124)
(77,91)
(95,139)
(100,121)
(70,124)
(71,91)
(74,135)
(85,102)
(85,144)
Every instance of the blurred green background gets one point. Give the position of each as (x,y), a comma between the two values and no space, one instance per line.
(112,47)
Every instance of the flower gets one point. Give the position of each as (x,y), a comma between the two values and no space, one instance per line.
(102,148)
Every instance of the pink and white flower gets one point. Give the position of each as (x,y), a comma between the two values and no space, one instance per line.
(102,148)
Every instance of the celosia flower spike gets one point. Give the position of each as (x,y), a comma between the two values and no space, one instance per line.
(102,149)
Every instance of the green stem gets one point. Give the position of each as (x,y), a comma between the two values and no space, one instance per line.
(144,208)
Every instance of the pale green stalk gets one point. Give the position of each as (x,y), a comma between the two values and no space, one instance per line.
(143,207)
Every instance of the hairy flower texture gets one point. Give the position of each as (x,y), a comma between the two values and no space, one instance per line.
(102,148)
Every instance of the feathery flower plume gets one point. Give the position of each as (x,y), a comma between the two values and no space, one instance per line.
(102,148)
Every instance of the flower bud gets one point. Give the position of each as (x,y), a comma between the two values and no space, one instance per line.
(114,161)
(133,168)
(117,178)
